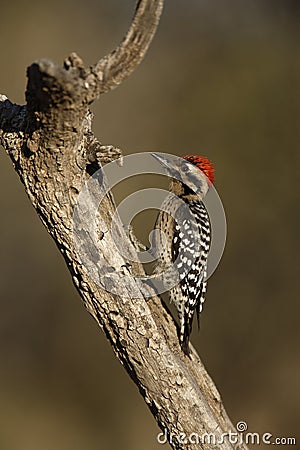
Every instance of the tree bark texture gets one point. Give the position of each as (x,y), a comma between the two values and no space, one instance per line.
(53,149)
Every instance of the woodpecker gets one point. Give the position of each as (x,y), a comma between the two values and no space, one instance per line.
(184,236)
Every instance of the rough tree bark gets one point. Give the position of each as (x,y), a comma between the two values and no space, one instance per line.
(52,147)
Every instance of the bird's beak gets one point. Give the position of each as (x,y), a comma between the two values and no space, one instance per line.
(167,164)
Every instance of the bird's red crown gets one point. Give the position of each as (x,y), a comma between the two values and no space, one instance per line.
(204,164)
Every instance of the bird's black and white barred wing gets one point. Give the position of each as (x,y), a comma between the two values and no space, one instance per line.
(191,243)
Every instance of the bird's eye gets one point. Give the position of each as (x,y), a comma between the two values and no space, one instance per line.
(185,168)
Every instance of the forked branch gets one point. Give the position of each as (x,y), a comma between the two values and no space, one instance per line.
(121,62)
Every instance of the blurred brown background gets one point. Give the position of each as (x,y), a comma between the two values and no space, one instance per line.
(222,79)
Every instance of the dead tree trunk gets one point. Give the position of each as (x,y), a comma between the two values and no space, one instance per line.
(52,147)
